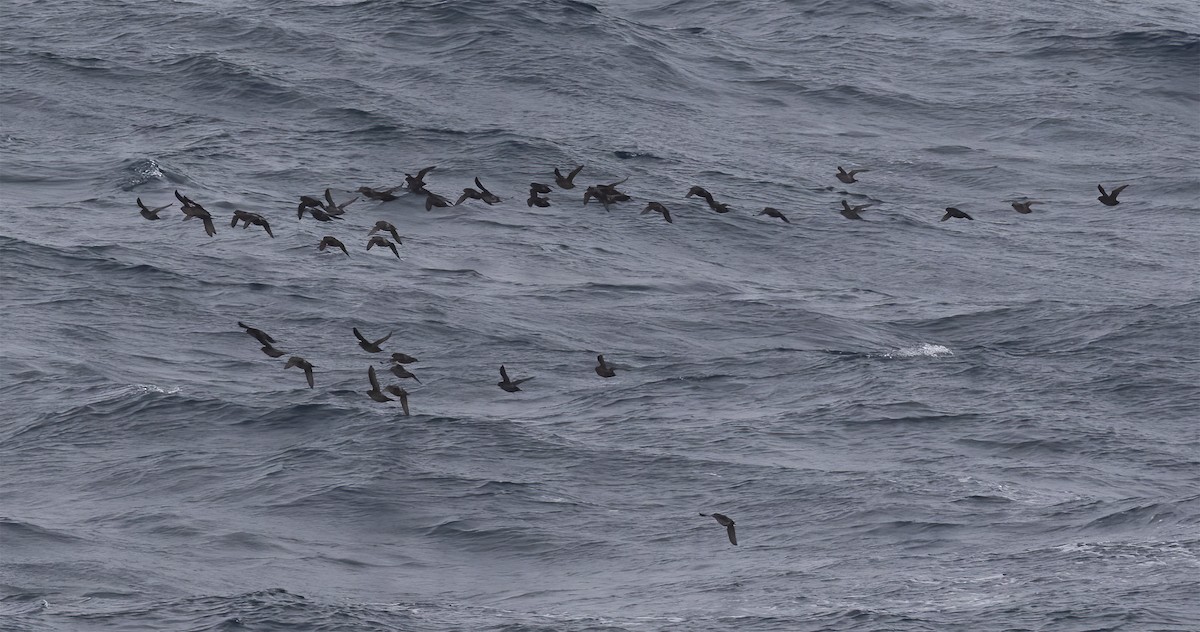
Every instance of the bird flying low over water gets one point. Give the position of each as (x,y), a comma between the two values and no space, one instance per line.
(367,345)
(727,522)
(433,199)
(536,200)
(953,212)
(1023,207)
(848,176)
(1110,198)
(305,365)
(329,241)
(774,212)
(149,213)
(191,209)
(250,218)
(401,394)
(416,183)
(399,371)
(382,195)
(375,393)
(852,212)
(402,358)
(333,208)
(385,226)
(261,336)
(380,240)
(270,350)
(538,187)
(567,181)
(507,384)
(655,207)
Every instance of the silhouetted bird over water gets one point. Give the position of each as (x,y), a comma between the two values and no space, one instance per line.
(1023,207)
(603,369)
(852,212)
(250,218)
(507,384)
(261,336)
(567,181)
(774,212)
(848,176)
(270,350)
(305,365)
(375,393)
(382,195)
(380,240)
(387,226)
(1110,199)
(655,207)
(367,345)
(727,522)
(416,183)
(329,241)
(953,212)
(150,213)
(191,209)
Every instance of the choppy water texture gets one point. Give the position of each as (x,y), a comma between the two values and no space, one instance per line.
(917,425)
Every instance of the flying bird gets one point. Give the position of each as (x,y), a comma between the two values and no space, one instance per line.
(727,522)
(367,345)
(416,183)
(250,218)
(603,369)
(1023,207)
(270,350)
(507,384)
(848,176)
(191,209)
(380,240)
(953,212)
(774,212)
(402,394)
(385,226)
(261,336)
(1110,199)
(375,393)
(399,371)
(305,365)
(567,181)
(402,358)
(655,207)
(382,195)
(149,213)
(852,212)
(329,241)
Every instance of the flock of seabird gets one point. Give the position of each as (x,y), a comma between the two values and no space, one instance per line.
(327,210)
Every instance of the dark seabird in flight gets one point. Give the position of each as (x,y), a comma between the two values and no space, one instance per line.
(538,187)
(852,212)
(1023,207)
(848,176)
(332,208)
(270,350)
(375,393)
(399,371)
(383,195)
(385,225)
(380,240)
(567,181)
(150,213)
(535,200)
(261,336)
(774,212)
(318,213)
(953,212)
(402,394)
(507,384)
(307,202)
(699,192)
(433,199)
(727,522)
(416,183)
(191,209)
(658,208)
(303,364)
(329,241)
(483,194)
(603,369)
(251,218)
(1110,199)
(402,358)
(367,345)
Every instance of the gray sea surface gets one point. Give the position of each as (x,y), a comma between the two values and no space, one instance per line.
(977,425)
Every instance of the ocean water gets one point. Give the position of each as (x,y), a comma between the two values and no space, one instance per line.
(916,424)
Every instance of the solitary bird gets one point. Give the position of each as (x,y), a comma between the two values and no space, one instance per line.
(852,212)
(380,240)
(387,226)
(367,345)
(603,369)
(191,209)
(699,191)
(382,195)
(727,522)
(402,358)
(261,336)
(329,241)
(402,394)
(416,183)
(567,181)
(507,384)
(399,371)
(774,212)
(375,393)
(658,208)
(250,218)
(305,365)
(1023,207)
(149,213)
(1110,199)
(953,212)
(848,176)
(270,350)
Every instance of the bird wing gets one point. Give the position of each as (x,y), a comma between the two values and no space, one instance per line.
(732,535)
(208,226)
(968,217)
(503,374)
(1118,190)
(946,216)
(359,335)
(482,189)
(372,242)
(308,375)
(267,227)
(574,172)
(384,339)
(394,251)
(421,173)
(343,205)
(1102,191)
(404,401)
(374,380)
(667,215)
(463,198)
(522,380)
